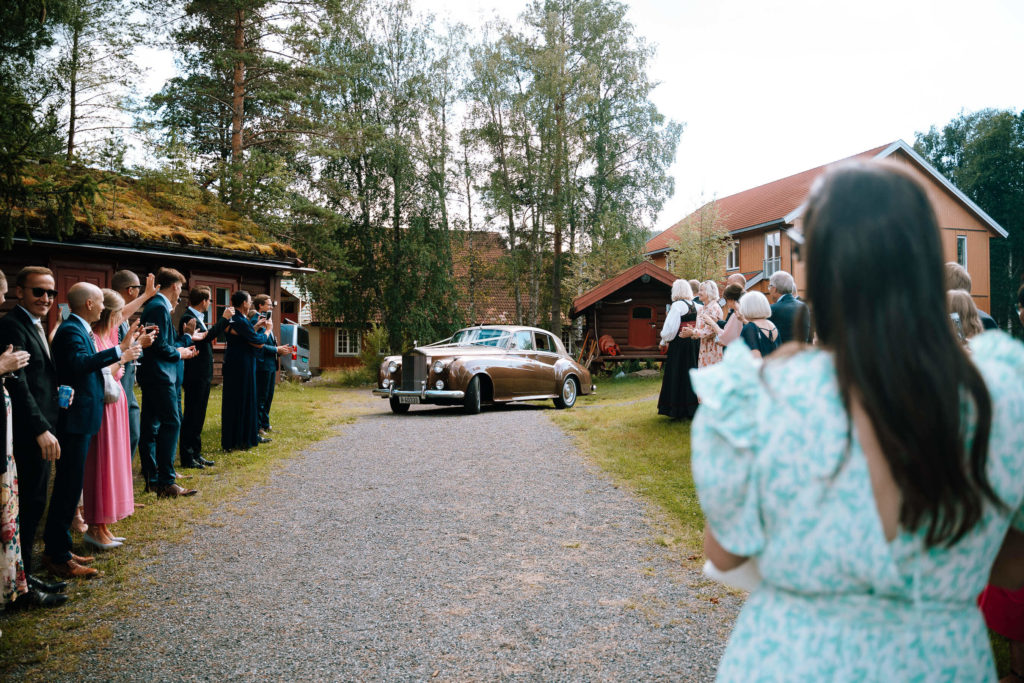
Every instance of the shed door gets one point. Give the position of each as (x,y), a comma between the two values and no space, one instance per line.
(642,331)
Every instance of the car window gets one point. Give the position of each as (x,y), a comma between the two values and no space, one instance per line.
(303,338)
(545,342)
(286,334)
(524,340)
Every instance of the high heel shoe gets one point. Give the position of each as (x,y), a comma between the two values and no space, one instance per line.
(102,546)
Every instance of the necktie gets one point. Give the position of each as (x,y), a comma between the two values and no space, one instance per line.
(42,337)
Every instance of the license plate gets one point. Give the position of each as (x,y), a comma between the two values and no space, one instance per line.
(409,399)
(305,360)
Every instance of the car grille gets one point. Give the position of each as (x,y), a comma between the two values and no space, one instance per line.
(414,371)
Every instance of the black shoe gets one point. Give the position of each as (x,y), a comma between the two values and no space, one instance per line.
(193,465)
(204,462)
(264,439)
(46,586)
(37,598)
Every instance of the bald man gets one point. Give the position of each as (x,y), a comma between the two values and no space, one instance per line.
(80,367)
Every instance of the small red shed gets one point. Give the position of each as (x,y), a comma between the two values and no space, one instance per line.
(630,308)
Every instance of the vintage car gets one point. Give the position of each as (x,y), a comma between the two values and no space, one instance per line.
(484,364)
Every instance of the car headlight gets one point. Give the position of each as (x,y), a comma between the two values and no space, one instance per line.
(385,383)
(438,366)
(439,384)
(392,367)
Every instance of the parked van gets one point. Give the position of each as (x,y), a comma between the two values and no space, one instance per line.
(295,365)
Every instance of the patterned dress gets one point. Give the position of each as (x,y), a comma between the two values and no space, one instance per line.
(710,350)
(838,602)
(12,567)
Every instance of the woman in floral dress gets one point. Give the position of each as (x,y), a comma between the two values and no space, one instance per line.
(876,480)
(707,326)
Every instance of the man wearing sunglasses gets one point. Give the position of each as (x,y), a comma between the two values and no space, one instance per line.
(35,411)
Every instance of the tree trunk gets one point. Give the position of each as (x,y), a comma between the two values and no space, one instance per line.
(73,92)
(238,103)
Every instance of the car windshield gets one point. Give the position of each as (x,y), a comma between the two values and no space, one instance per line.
(481,336)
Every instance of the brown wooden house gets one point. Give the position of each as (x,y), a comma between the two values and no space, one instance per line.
(209,244)
(765,222)
(631,308)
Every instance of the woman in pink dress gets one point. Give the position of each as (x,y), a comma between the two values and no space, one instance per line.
(108,493)
(707,325)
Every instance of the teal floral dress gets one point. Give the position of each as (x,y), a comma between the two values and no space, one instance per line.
(837,601)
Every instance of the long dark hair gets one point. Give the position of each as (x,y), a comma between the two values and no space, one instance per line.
(875,283)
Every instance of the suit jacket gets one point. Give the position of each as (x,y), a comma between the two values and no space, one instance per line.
(267,358)
(159,364)
(987,321)
(787,313)
(199,370)
(80,367)
(34,394)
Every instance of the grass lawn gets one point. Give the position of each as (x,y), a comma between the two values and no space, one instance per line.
(45,641)
(619,427)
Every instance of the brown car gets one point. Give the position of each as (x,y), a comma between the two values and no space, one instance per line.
(484,364)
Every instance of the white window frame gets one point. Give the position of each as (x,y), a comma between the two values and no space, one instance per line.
(961,239)
(732,259)
(341,333)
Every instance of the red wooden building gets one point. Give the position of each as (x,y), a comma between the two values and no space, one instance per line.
(629,307)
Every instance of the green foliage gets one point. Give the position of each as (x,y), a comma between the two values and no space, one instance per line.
(700,245)
(375,344)
(982,153)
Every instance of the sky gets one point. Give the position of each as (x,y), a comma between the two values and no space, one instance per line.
(769,88)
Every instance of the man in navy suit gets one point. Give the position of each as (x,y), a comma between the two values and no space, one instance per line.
(80,367)
(158,377)
(790,315)
(198,377)
(267,364)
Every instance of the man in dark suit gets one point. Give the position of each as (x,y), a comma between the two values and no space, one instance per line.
(34,414)
(158,377)
(267,364)
(198,377)
(790,315)
(80,367)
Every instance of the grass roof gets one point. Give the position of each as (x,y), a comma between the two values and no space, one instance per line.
(155,211)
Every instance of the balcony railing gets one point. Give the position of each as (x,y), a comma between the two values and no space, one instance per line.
(771,265)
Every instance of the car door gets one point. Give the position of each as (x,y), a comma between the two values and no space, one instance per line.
(522,364)
(541,379)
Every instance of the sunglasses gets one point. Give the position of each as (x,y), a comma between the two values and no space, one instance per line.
(38,292)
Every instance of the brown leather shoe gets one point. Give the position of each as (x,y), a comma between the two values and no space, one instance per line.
(69,569)
(174,491)
(88,559)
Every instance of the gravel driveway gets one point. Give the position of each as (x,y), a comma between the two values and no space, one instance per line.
(432,545)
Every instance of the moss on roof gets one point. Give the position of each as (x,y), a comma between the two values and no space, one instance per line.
(154,211)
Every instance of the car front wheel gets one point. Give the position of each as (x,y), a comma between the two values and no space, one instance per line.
(471,402)
(396,407)
(568,397)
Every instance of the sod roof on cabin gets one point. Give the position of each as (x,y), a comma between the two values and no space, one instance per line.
(156,214)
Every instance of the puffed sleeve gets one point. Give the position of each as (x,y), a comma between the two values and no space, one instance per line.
(1000,358)
(670,328)
(723,445)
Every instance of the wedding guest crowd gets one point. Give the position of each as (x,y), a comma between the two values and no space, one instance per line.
(69,400)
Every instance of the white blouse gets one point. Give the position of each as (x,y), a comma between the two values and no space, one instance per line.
(675,313)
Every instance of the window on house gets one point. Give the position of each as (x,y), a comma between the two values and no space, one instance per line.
(732,259)
(772,252)
(220,291)
(346,342)
(961,250)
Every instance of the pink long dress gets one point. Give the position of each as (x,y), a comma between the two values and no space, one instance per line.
(108,493)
